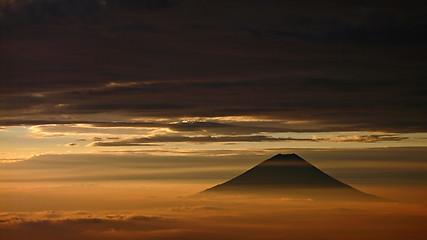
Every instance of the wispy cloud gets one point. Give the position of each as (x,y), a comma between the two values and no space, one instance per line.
(365,165)
(196,139)
(243,138)
(369,138)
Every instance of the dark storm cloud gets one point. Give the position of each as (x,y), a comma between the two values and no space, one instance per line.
(345,66)
(19,102)
(22,13)
(141,5)
(377,28)
(136,26)
(344,105)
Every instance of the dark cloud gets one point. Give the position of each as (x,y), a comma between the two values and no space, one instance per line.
(17,14)
(376,28)
(127,144)
(235,127)
(23,13)
(142,141)
(20,102)
(204,139)
(135,6)
(24,122)
(135,27)
(97,139)
(223,128)
(342,66)
(360,105)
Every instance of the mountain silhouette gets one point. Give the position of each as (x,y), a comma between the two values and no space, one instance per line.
(288,175)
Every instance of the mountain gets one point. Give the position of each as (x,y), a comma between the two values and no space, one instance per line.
(289,176)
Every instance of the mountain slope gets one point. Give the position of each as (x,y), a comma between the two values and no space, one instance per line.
(288,175)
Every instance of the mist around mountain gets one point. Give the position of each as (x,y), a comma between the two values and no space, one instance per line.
(289,176)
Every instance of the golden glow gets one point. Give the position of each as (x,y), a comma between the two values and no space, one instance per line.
(156,210)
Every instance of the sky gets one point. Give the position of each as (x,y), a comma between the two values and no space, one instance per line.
(174,96)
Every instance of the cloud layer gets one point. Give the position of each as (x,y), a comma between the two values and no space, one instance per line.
(357,68)
(370,166)
(235,219)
